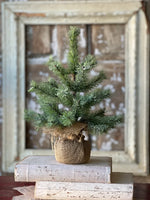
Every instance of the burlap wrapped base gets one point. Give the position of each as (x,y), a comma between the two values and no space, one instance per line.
(69,132)
(72,151)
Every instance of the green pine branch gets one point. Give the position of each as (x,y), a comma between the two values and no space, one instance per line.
(89,63)
(84,67)
(67,118)
(94,97)
(87,84)
(61,102)
(37,119)
(58,70)
(88,116)
(103,124)
(65,95)
(45,89)
(73,57)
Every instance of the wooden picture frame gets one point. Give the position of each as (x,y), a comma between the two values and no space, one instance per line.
(130,13)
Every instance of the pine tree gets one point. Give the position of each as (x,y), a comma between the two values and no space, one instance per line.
(69,99)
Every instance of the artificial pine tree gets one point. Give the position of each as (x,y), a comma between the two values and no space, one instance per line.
(67,101)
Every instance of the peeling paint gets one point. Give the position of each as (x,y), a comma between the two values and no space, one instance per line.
(107,146)
(97,52)
(43,74)
(113,106)
(82,41)
(122,41)
(111,61)
(123,89)
(33,105)
(119,79)
(38,61)
(118,112)
(18,14)
(64,60)
(110,87)
(42,139)
(113,78)
(116,77)
(54,42)
(100,41)
(122,107)
(100,36)
(33,132)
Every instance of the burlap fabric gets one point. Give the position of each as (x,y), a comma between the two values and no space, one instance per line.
(70,146)
(72,151)
(70,132)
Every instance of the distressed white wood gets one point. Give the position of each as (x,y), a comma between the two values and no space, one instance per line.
(9,62)
(16,15)
(21,86)
(130,84)
(142,125)
(46,168)
(69,12)
(120,189)
(137,89)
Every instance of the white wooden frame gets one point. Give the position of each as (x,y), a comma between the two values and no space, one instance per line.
(16,15)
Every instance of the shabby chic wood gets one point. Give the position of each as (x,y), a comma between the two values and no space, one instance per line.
(18,14)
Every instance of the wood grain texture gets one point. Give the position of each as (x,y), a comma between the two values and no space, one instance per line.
(45,168)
